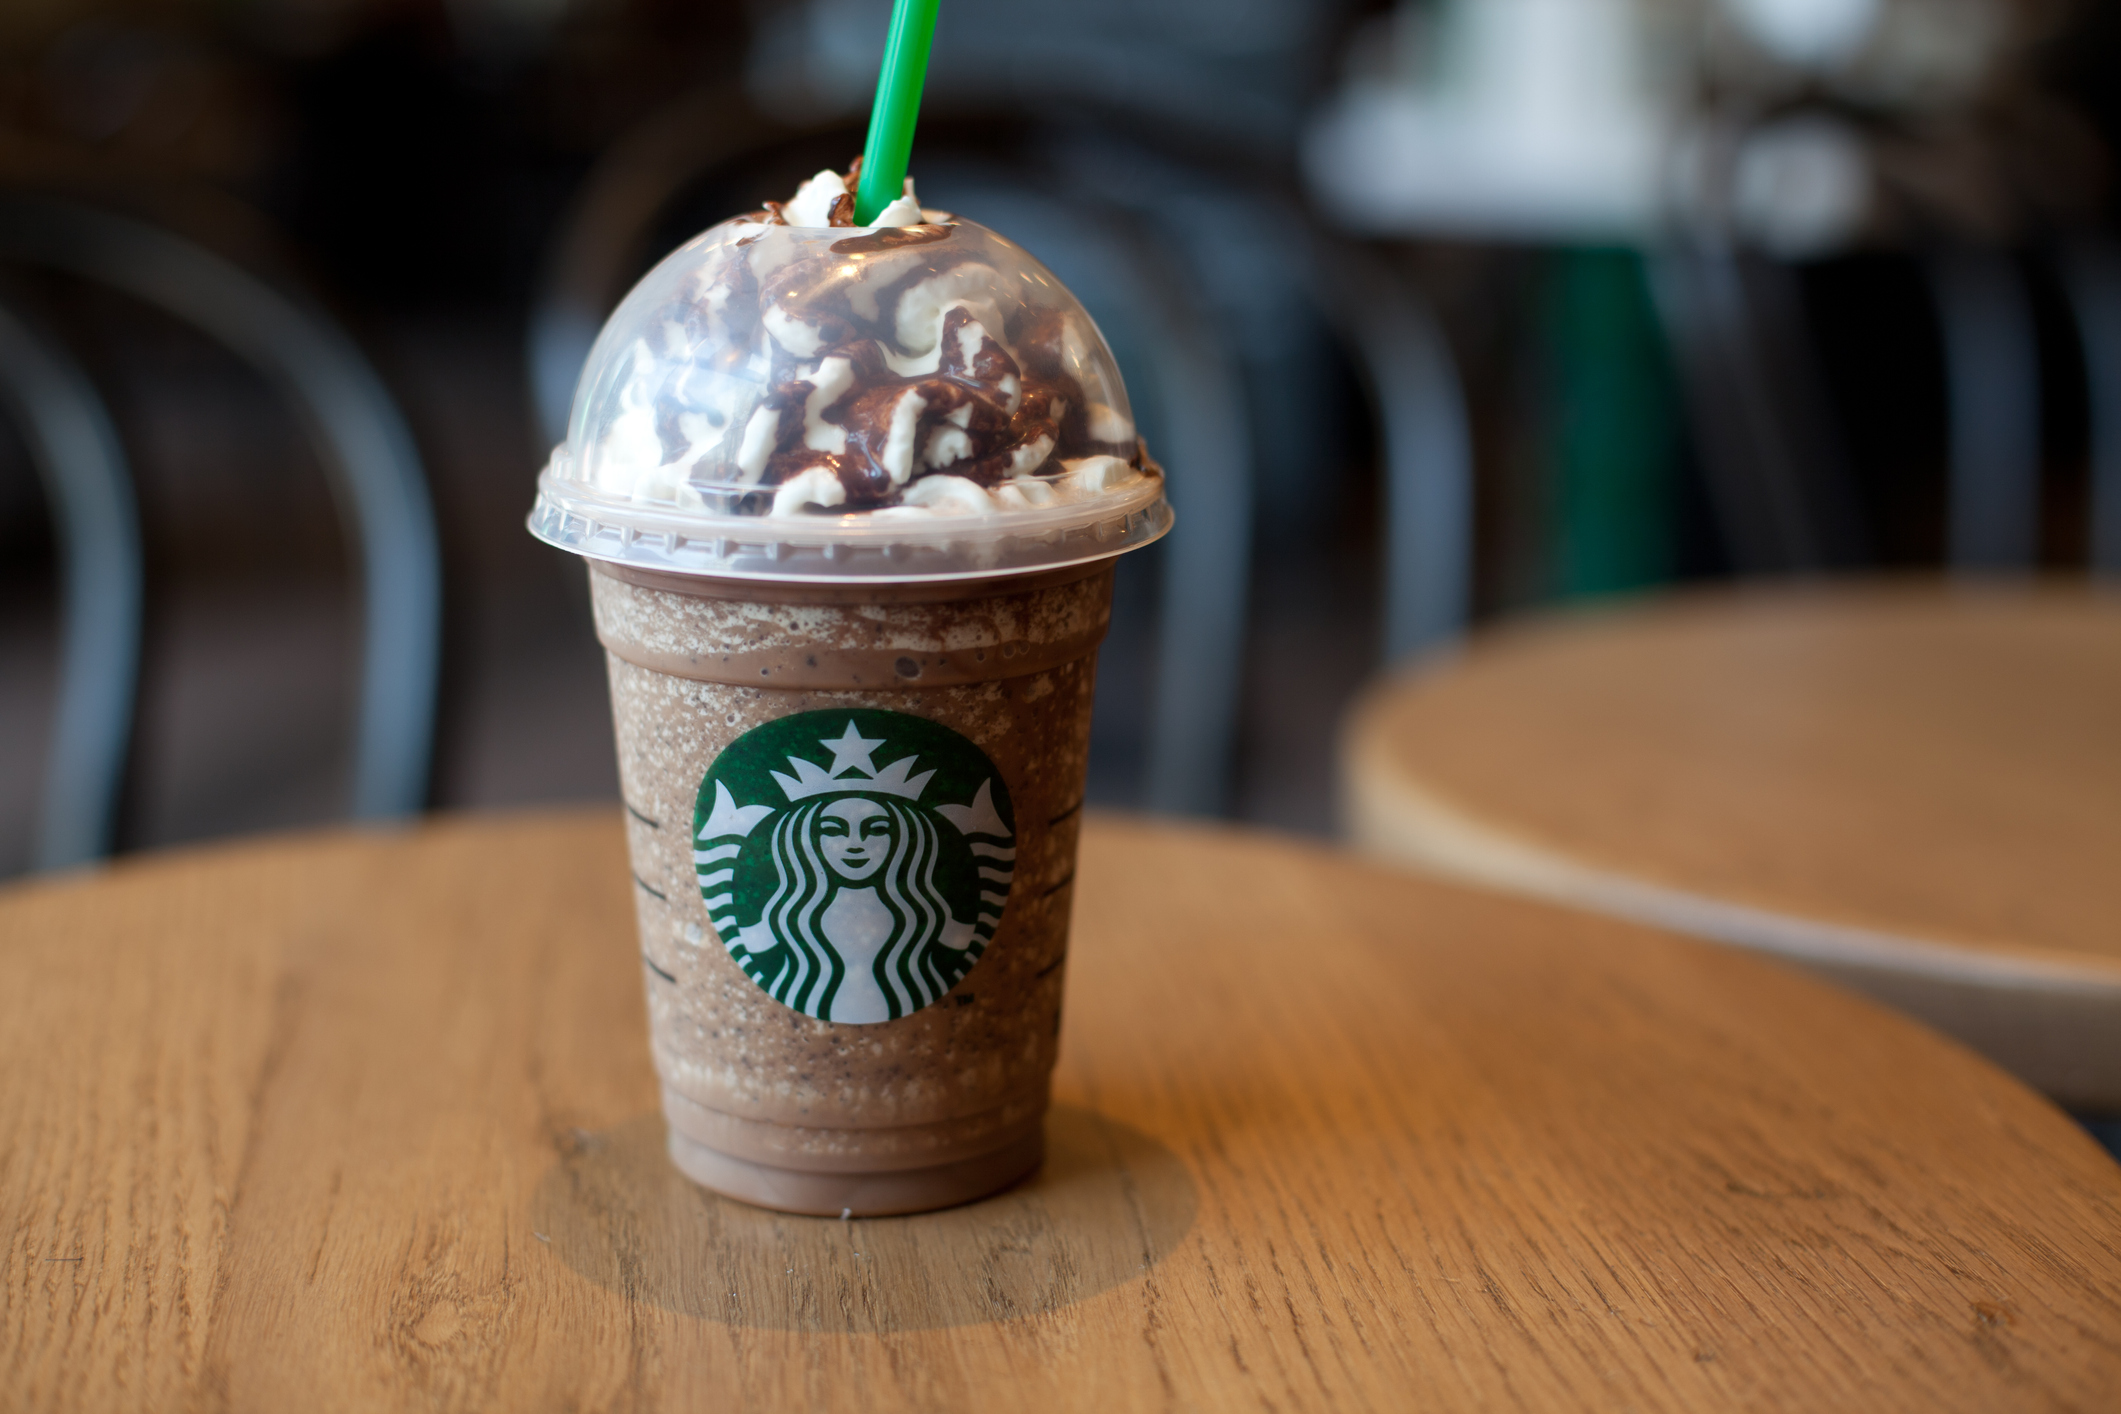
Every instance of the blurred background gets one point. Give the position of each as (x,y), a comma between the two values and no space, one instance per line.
(1436,311)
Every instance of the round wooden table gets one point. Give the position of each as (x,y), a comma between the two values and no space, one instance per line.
(1914,789)
(367,1122)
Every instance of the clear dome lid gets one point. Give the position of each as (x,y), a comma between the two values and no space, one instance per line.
(919,401)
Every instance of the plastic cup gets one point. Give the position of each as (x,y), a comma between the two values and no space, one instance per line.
(852,729)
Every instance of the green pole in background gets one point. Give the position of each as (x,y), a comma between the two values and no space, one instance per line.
(1614,434)
(898,107)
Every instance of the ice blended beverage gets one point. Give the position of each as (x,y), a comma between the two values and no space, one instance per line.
(850,498)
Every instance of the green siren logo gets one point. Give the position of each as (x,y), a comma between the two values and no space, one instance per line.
(847,890)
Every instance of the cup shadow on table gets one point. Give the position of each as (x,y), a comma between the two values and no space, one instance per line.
(1107,1206)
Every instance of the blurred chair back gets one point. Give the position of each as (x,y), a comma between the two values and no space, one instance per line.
(1992,393)
(1774,465)
(1414,387)
(2091,279)
(82,464)
(1755,409)
(366,447)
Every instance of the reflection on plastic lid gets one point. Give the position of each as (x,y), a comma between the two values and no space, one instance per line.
(908,402)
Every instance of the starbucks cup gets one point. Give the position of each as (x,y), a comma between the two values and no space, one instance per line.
(850,500)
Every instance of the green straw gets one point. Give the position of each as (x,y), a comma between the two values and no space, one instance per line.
(898,106)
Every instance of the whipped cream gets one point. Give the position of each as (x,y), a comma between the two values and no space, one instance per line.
(814,202)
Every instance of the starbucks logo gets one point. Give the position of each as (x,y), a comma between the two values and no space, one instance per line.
(847,890)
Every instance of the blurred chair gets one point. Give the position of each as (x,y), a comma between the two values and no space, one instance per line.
(365,445)
(1769,458)
(1155,258)
(82,465)
(1413,384)
(601,245)
(1772,455)
(1773,460)
(2091,281)
(1145,299)
(1992,390)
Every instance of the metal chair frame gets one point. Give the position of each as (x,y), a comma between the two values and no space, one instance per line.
(2091,280)
(1992,382)
(368,452)
(82,464)
(1414,387)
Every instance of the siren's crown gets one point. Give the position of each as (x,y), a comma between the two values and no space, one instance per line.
(812,779)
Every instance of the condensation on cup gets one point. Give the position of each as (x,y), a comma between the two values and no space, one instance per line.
(850,499)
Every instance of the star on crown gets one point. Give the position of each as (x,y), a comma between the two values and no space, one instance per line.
(852,752)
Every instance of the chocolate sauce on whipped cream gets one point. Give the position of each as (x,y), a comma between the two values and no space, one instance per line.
(893,368)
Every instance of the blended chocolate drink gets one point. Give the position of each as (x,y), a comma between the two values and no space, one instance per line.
(851,498)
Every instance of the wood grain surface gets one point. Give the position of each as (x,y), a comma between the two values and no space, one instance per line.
(1916,788)
(367,1122)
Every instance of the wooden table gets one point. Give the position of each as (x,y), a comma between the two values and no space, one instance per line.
(1914,789)
(367,1122)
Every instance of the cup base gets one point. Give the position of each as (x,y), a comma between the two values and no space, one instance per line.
(861,1195)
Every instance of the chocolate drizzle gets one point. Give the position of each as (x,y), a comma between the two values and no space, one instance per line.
(890,238)
(932,363)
